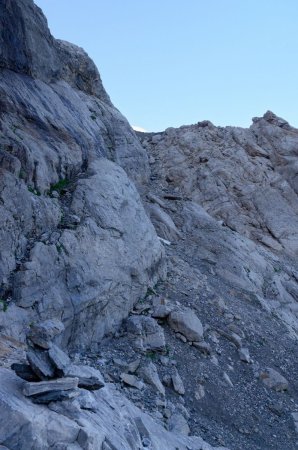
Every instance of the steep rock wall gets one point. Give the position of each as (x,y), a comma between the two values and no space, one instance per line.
(75,240)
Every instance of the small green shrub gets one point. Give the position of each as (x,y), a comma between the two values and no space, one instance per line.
(152,355)
(60,186)
(59,248)
(3,305)
(22,174)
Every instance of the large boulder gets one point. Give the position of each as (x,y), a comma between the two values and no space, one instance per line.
(186,322)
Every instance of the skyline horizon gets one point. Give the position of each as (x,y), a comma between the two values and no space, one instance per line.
(168,67)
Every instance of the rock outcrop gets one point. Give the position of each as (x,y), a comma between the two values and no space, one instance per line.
(238,203)
(232,195)
(76,243)
(101,420)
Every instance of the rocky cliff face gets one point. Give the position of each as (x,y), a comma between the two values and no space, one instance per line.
(244,182)
(75,241)
(192,233)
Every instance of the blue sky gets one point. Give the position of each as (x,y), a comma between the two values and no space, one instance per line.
(170,63)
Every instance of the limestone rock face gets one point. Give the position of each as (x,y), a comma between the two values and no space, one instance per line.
(28,47)
(235,174)
(76,243)
(234,200)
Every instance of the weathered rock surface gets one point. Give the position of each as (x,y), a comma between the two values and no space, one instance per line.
(43,333)
(147,334)
(224,180)
(178,383)
(113,422)
(89,378)
(274,380)
(132,380)
(54,396)
(187,323)
(41,364)
(93,236)
(232,195)
(178,424)
(59,358)
(163,223)
(150,375)
(47,386)
(25,372)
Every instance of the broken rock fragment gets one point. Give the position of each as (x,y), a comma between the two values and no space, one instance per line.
(43,333)
(178,424)
(88,377)
(186,322)
(178,383)
(58,357)
(203,346)
(150,375)
(244,355)
(132,380)
(274,380)
(147,333)
(54,396)
(40,363)
(161,308)
(41,387)
(25,372)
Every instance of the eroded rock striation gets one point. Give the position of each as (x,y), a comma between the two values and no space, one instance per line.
(238,202)
(76,243)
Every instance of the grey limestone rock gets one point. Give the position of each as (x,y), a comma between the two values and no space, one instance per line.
(89,377)
(54,396)
(178,383)
(40,363)
(161,308)
(99,247)
(186,322)
(58,357)
(226,178)
(178,424)
(132,380)
(274,380)
(150,375)
(25,372)
(164,225)
(43,333)
(244,355)
(63,384)
(146,332)
(203,347)
(28,426)
(27,47)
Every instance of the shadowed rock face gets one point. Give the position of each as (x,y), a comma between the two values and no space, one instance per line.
(245,177)
(27,47)
(76,243)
